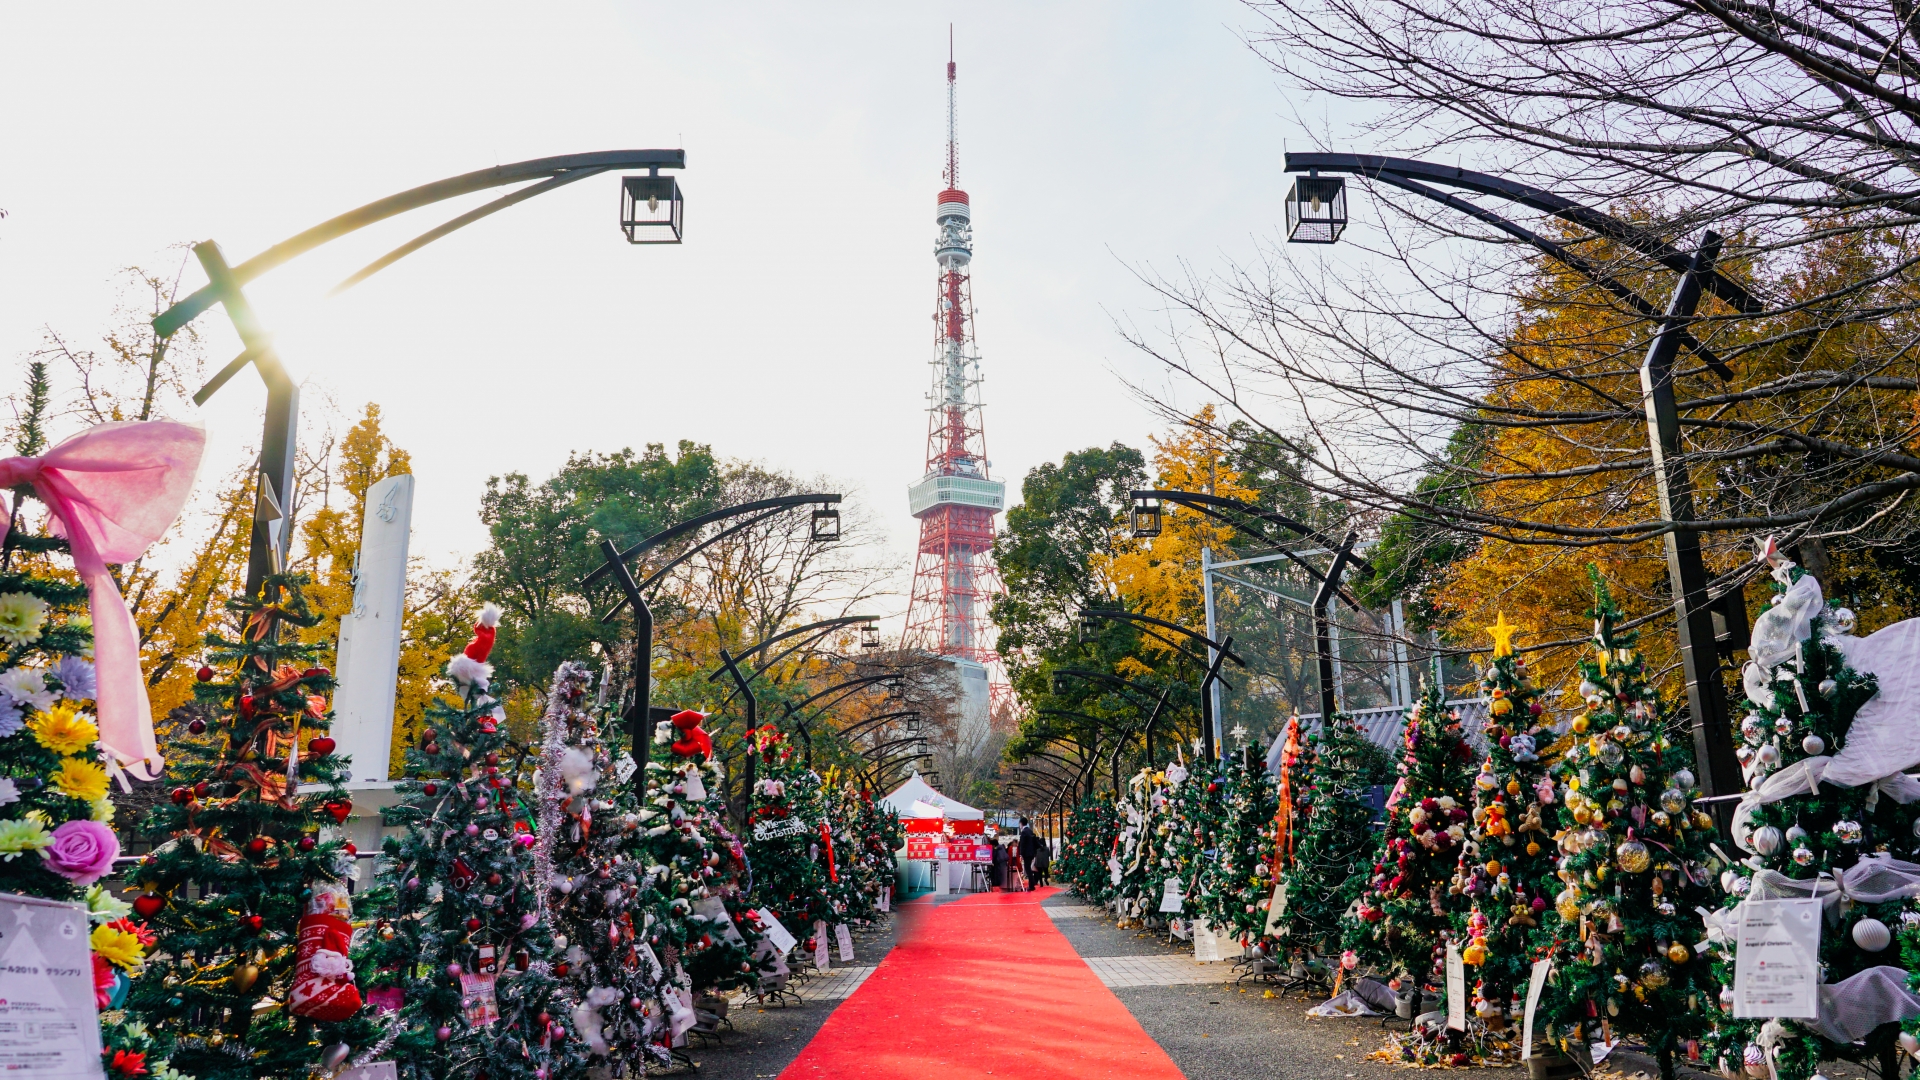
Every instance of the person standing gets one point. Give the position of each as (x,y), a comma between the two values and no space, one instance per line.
(1029,849)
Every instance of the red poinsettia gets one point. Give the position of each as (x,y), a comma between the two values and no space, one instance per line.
(128,1062)
(139,930)
(102,981)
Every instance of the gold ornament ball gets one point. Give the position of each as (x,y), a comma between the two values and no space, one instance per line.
(1677,952)
(1633,857)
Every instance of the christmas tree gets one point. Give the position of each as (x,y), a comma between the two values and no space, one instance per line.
(1406,911)
(1235,890)
(1512,881)
(1333,837)
(1823,817)
(251,977)
(1093,834)
(1143,862)
(616,914)
(696,860)
(794,870)
(1632,863)
(881,836)
(1196,814)
(460,957)
(858,893)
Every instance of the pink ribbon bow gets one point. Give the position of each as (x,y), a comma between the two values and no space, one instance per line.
(114,489)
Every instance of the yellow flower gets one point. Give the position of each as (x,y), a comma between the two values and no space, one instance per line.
(21,618)
(77,778)
(119,948)
(64,729)
(22,836)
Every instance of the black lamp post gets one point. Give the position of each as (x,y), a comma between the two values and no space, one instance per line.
(1694,604)
(633,593)
(275,499)
(1220,650)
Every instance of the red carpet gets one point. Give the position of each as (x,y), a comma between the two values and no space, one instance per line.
(983,986)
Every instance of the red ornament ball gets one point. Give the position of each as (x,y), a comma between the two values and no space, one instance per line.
(205,674)
(253,923)
(430,789)
(197,726)
(473,924)
(147,905)
(257,846)
(182,795)
(320,747)
(306,843)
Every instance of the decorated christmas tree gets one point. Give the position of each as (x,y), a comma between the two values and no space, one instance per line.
(858,892)
(250,976)
(460,958)
(1196,814)
(794,870)
(1512,880)
(695,860)
(616,914)
(1093,835)
(1140,866)
(1632,865)
(1237,885)
(1333,840)
(1829,814)
(1406,912)
(881,835)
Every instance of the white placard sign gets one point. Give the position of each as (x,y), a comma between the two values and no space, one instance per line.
(1206,944)
(1276,908)
(886,899)
(49,1023)
(781,938)
(820,946)
(1535,983)
(624,767)
(378,1070)
(844,938)
(714,910)
(1172,899)
(1776,972)
(1456,989)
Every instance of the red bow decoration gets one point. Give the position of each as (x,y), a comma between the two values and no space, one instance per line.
(692,739)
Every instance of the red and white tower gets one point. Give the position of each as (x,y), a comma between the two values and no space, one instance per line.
(954,577)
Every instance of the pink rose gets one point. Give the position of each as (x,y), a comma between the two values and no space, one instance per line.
(82,851)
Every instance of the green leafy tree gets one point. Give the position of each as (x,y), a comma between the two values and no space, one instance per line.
(462,951)
(227,993)
(1633,862)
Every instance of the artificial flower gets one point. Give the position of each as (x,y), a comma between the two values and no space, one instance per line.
(104,907)
(139,930)
(12,717)
(77,778)
(82,851)
(9,791)
(129,1062)
(22,618)
(104,979)
(102,810)
(120,948)
(76,675)
(22,836)
(64,729)
(28,686)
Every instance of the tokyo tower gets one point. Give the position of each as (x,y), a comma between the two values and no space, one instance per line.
(954,577)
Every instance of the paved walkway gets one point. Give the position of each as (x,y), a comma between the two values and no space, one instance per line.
(978,987)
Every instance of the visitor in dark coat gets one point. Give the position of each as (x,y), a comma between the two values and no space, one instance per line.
(1029,847)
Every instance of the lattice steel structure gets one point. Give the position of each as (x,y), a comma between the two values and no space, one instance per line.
(956,501)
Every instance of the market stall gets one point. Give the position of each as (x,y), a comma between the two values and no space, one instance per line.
(945,837)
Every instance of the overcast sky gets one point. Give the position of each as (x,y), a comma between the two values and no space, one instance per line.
(793,327)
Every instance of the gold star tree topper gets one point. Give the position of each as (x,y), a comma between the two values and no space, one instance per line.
(1502,633)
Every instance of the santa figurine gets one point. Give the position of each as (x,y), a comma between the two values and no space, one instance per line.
(323,986)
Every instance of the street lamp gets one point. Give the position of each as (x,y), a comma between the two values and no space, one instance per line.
(1218,650)
(650,209)
(826,525)
(1146,518)
(274,501)
(1693,602)
(634,593)
(1316,210)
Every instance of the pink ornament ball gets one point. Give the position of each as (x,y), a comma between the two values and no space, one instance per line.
(472,829)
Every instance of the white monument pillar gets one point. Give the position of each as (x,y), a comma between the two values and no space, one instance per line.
(368,664)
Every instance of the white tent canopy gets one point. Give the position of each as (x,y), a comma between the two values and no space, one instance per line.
(916,796)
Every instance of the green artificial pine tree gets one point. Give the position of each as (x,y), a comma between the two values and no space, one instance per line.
(857,896)
(689,849)
(881,836)
(1239,882)
(1513,811)
(461,958)
(250,977)
(619,918)
(1406,912)
(1823,818)
(1633,864)
(793,873)
(1093,833)
(1333,835)
(1197,812)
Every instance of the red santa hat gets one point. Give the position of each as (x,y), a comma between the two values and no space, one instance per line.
(470,667)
